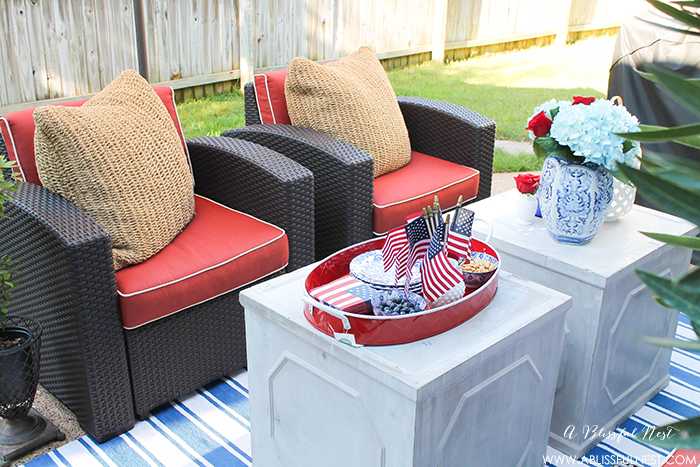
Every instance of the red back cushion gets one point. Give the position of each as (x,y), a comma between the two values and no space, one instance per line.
(269,93)
(17,129)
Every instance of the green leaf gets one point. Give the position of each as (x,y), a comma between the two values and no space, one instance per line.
(677,240)
(684,434)
(682,297)
(691,279)
(674,199)
(547,146)
(688,135)
(691,3)
(670,343)
(682,177)
(685,17)
(686,92)
(662,161)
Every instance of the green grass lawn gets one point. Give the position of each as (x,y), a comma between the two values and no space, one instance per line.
(505,162)
(505,87)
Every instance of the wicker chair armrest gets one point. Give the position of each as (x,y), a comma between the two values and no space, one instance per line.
(260,182)
(453,133)
(342,176)
(62,267)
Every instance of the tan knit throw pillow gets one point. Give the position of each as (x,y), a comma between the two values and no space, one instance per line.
(119,158)
(352,100)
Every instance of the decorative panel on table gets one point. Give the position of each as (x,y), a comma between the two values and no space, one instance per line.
(608,370)
(448,400)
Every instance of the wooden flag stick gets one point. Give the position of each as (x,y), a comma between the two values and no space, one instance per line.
(459,201)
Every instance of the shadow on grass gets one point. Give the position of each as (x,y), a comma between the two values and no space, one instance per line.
(510,107)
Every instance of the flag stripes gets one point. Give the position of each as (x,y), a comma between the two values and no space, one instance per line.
(347,293)
(396,242)
(438,275)
(459,237)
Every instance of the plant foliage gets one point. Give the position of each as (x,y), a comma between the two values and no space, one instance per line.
(674,183)
(7,187)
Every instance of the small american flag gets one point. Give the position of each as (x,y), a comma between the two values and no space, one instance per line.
(404,260)
(347,294)
(459,238)
(438,275)
(394,246)
(418,239)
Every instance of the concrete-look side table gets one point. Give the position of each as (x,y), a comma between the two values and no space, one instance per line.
(608,371)
(478,395)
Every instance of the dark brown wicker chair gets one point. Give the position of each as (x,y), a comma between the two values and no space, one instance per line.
(109,375)
(348,204)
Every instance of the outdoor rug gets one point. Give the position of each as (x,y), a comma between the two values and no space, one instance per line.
(212,428)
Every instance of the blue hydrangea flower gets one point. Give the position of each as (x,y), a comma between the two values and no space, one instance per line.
(589,130)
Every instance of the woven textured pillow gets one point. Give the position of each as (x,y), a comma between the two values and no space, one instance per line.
(119,158)
(352,100)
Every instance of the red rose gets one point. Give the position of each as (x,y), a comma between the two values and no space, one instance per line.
(583,100)
(539,124)
(527,183)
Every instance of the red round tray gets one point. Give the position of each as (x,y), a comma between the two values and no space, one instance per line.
(389,330)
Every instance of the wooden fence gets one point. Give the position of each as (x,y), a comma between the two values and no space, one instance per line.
(60,48)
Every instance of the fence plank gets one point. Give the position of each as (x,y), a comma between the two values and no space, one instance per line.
(247,40)
(439,30)
(57,48)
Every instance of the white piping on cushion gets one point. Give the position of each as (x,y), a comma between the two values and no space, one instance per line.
(444,211)
(14,148)
(257,101)
(209,268)
(208,299)
(269,99)
(428,193)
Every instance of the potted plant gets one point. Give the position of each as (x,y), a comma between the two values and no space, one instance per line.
(20,430)
(580,141)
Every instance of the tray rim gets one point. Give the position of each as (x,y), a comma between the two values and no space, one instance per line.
(485,285)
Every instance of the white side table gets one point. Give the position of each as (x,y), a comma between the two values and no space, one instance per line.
(478,395)
(608,371)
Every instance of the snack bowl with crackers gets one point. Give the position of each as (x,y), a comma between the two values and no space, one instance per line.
(478,269)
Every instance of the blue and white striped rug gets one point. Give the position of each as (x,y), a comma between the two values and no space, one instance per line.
(212,428)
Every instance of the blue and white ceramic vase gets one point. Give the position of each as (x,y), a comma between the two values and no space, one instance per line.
(573,199)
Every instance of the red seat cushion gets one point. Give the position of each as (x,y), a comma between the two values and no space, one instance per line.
(269,93)
(411,188)
(17,130)
(219,251)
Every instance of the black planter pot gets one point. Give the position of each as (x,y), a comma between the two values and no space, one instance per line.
(21,429)
(19,368)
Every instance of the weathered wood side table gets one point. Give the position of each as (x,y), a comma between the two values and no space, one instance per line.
(478,395)
(608,371)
